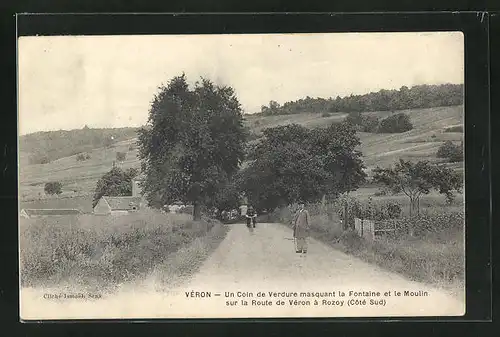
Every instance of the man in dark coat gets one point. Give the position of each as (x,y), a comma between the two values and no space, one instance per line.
(301,227)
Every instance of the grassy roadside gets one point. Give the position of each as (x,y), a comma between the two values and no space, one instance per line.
(434,257)
(184,263)
(94,253)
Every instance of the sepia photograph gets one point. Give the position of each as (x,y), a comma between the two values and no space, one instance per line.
(295,175)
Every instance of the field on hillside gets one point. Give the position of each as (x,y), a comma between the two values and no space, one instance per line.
(79,178)
(258,123)
(421,143)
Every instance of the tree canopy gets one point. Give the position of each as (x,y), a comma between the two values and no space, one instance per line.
(192,144)
(416,97)
(417,179)
(453,153)
(53,187)
(294,163)
(115,183)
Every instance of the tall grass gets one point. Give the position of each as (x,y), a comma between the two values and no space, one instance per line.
(102,251)
(434,253)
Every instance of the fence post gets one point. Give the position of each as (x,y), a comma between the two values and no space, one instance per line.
(346,216)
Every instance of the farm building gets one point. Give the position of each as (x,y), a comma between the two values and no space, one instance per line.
(117,205)
(40,212)
(81,203)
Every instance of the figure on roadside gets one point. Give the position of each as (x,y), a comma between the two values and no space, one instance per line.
(301,227)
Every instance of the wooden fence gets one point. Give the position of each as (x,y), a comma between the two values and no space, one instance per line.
(370,229)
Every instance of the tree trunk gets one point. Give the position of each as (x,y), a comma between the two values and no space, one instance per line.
(413,207)
(196,211)
(346,217)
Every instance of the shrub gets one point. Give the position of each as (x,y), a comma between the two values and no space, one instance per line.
(53,187)
(82,156)
(370,123)
(397,123)
(425,224)
(450,151)
(376,210)
(354,118)
(120,156)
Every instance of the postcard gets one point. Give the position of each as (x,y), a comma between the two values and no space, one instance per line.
(241,175)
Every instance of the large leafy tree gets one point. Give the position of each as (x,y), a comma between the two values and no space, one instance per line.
(417,179)
(192,144)
(294,163)
(115,183)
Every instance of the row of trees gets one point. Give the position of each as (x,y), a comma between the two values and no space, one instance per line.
(193,145)
(416,97)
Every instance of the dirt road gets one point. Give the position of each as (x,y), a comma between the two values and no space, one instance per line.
(248,264)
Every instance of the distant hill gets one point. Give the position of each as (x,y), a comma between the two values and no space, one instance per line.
(80,177)
(45,147)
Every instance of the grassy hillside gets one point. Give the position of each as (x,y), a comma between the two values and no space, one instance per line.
(79,177)
(44,147)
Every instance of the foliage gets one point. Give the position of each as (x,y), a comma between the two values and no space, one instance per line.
(53,187)
(120,156)
(416,179)
(82,156)
(192,144)
(116,182)
(397,123)
(293,162)
(101,252)
(416,97)
(423,225)
(363,123)
(227,198)
(370,124)
(454,153)
(376,211)
(47,146)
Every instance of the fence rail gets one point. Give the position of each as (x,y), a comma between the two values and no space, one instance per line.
(367,228)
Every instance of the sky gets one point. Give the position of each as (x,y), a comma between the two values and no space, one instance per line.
(67,82)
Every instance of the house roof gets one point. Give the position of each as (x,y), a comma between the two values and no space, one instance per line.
(82,203)
(49,211)
(122,203)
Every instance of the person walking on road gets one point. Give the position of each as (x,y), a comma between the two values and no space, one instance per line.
(301,227)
